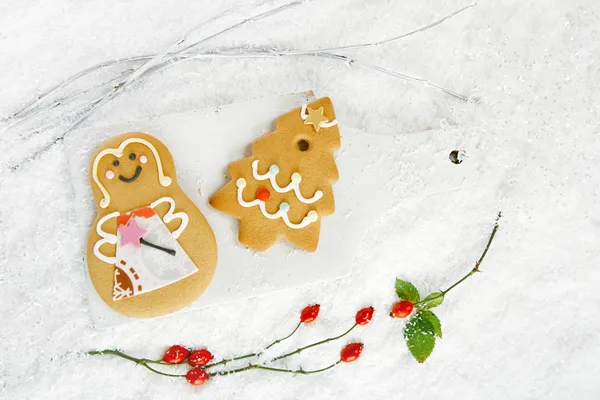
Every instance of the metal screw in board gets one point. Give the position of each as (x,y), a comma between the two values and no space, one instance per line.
(457,156)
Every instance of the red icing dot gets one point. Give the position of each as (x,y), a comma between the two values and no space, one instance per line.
(263,194)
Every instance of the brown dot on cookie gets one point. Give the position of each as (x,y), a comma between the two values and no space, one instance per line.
(303,145)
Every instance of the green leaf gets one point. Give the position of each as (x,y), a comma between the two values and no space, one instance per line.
(406,291)
(419,335)
(432,300)
(434,321)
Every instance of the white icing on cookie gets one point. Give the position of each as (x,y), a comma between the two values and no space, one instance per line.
(294,184)
(282,213)
(164,180)
(106,238)
(112,239)
(170,215)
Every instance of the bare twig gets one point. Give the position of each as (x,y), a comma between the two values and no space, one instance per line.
(392,39)
(396,74)
(145,59)
(75,77)
(151,59)
(88,111)
(155,63)
(66,100)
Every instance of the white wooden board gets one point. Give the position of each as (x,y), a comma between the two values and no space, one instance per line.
(204,142)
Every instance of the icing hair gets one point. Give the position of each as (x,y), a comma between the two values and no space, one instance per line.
(164,180)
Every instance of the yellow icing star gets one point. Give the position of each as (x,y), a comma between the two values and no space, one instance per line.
(315,117)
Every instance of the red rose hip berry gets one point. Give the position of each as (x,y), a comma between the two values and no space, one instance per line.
(175,354)
(402,309)
(199,358)
(351,352)
(364,316)
(309,313)
(197,376)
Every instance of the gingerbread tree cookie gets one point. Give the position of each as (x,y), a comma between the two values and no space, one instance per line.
(285,188)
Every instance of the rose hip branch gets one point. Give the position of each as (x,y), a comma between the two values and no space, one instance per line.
(200,359)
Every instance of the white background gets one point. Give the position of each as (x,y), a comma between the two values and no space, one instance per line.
(526,328)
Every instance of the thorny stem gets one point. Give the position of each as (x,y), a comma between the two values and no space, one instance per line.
(475,269)
(227,360)
(116,353)
(487,247)
(289,371)
(140,361)
(301,349)
(163,373)
(128,357)
(144,362)
(284,338)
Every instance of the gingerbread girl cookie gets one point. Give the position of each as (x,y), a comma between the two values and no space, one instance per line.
(150,250)
(285,188)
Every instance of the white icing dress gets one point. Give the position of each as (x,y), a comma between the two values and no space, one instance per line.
(148,255)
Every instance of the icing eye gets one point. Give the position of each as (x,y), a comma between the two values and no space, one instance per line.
(143,159)
(110,174)
(302,145)
(116,163)
(132,156)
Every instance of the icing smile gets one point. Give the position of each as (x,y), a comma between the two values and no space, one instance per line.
(138,171)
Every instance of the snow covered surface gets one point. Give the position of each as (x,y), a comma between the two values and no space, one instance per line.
(525,328)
